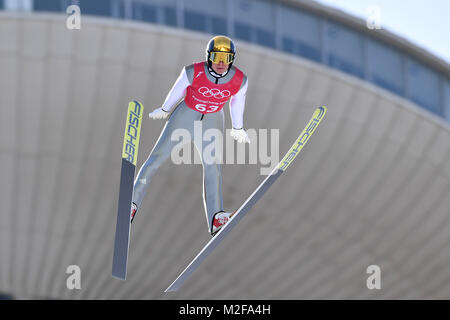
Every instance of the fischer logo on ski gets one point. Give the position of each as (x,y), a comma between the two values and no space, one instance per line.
(303,138)
(132,132)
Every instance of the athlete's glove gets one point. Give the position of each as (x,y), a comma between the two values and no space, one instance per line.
(240,135)
(158,113)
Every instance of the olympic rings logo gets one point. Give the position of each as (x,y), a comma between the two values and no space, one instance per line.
(216,93)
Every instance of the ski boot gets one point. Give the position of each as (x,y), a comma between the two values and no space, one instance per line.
(219,220)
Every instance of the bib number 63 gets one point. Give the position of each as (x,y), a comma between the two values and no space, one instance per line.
(205,108)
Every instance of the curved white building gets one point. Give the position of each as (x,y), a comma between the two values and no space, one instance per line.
(370,188)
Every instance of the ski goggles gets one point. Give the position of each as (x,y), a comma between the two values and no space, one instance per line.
(225,57)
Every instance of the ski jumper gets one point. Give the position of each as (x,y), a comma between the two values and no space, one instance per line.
(203,97)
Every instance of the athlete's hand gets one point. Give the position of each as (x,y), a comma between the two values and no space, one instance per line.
(158,113)
(240,135)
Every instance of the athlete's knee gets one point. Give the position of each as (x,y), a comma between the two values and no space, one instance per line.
(212,170)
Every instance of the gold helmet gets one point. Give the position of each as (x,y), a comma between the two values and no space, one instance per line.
(220,48)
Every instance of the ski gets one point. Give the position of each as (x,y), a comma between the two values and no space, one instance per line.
(129,157)
(302,139)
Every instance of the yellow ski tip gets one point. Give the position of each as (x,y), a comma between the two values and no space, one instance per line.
(132,131)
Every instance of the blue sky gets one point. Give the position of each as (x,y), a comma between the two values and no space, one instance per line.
(425,23)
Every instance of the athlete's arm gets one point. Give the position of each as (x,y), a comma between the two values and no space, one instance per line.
(177,92)
(237,106)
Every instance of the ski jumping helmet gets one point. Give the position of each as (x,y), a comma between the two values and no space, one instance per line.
(220,48)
